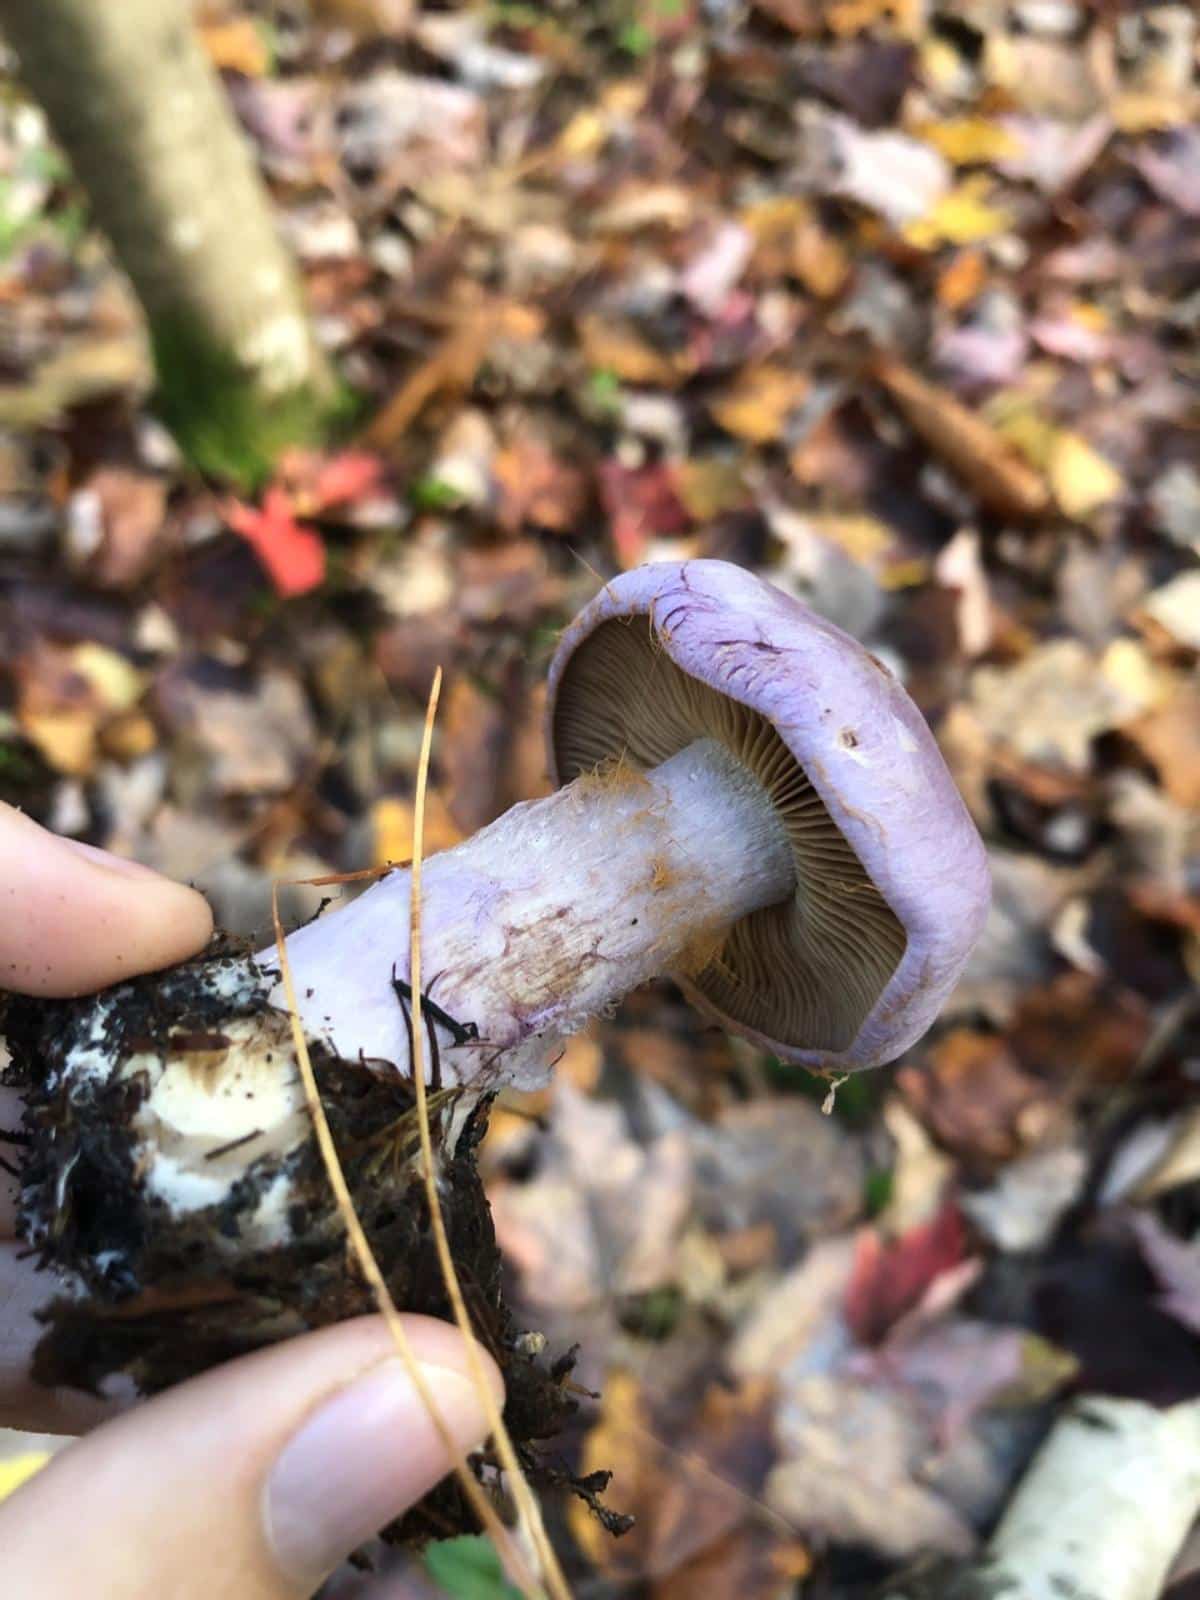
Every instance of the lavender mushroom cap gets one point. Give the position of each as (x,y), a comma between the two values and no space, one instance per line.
(892,882)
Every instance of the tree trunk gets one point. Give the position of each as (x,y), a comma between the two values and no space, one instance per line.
(142,117)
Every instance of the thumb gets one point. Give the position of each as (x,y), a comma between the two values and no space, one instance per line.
(253,1481)
(73,918)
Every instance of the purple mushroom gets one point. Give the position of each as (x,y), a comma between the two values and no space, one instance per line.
(753,805)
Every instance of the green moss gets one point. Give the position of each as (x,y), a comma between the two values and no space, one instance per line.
(218,414)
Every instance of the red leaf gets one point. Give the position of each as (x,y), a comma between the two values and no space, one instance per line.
(345,477)
(890,1279)
(642,503)
(292,554)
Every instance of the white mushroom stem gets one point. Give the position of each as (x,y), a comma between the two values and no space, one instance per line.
(548,916)
(1103,1510)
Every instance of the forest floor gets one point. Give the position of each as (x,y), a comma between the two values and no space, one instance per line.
(894,302)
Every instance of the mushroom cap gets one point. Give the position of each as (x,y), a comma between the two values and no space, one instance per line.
(892,880)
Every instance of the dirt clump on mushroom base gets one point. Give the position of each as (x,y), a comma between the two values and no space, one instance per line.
(158,1293)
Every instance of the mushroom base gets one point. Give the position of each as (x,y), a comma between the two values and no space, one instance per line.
(155,1292)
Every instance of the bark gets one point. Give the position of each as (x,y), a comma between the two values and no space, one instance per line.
(142,117)
(1100,1515)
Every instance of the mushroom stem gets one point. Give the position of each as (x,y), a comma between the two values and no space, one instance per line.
(548,916)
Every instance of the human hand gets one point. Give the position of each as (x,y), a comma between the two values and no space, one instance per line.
(255,1480)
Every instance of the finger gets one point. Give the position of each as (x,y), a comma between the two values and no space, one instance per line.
(255,1480)
(24,1291)
(73,918)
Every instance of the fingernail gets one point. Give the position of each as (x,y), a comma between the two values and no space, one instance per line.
(104,858)
(364,1456)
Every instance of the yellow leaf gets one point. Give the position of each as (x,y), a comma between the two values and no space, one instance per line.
(66,739)
(757,406)
(1151,111)
(392,826)
(236,46)
(1081,479)
(616,1444)
(864,539)
(19,1469)
(116,683)
(967,141)
(964,216)
(584,135)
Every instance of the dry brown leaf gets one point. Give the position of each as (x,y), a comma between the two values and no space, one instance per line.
(537,488)
(472,743)
(693,1480)
(974,1096)
(1080,1031)
(132,508)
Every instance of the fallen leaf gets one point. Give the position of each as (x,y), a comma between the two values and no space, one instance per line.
(1051,706)
(318,483)
(450,367)
(569,1230)
(252,729)
(691,1492)
(959,1369)
(853,1461)
(132,508)
(1081,1031)
(1081,479)
(776,1160)
(756,407)
(971,141)
(889,173)
(642,503)
(962,279)
(709,486)
(1022,1208)
(392,828)
(1169,737)
(291,553)
(891,1279)
(472,743)
(796,1325)
(971,1092)
(1176,607)
(66,695)
(964,216)
(1176,1265)
(236,45)
(617,347)
(538,489)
